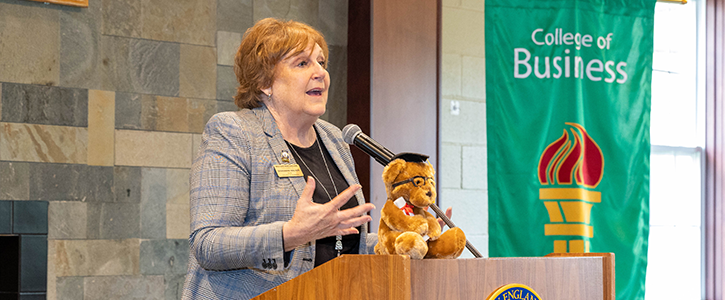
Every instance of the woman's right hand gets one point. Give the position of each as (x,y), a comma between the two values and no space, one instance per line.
(313,221)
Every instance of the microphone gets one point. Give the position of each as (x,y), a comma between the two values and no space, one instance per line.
(353,135)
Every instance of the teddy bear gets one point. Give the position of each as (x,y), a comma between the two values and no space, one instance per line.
(406,227)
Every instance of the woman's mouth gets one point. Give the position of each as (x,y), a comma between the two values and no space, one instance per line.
(315,92)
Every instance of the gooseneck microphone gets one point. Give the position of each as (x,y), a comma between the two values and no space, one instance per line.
(353,135)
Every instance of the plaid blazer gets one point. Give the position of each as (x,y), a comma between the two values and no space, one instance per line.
(238,207)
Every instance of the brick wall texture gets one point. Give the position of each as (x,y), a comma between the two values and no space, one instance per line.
(101,110)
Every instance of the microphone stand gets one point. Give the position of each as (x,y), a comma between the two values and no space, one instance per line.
(450,224)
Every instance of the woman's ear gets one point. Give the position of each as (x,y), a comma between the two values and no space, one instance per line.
(267,91)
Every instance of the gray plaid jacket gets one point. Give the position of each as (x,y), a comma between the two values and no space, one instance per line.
(238,207)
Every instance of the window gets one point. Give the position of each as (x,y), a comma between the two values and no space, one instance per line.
(675,259)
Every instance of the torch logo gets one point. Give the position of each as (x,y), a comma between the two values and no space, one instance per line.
(569,169)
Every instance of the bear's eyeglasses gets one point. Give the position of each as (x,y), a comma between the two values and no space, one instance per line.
(418,181)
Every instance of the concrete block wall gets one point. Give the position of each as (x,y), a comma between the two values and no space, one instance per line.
(463,168)
(101,110)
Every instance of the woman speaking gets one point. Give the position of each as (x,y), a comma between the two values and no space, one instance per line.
(273,188)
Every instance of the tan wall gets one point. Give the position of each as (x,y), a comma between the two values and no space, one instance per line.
(463,171)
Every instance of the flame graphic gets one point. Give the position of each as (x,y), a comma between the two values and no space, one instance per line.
(579,158)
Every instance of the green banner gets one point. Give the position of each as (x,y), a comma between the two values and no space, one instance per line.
(568,88)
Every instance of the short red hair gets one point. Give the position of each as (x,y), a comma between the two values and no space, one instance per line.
(263,46)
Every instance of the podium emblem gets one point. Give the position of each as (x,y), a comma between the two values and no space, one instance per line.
(569,170)
(514,291)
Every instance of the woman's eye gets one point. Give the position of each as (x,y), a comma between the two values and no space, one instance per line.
(302,63)
(323,63)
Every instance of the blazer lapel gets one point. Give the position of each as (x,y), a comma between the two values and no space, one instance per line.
(278,145)
(332,148)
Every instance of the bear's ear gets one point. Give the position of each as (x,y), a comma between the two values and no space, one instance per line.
(392,170)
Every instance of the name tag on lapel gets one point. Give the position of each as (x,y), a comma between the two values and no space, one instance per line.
(288,170)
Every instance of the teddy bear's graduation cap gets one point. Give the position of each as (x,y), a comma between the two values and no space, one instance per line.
(410,157)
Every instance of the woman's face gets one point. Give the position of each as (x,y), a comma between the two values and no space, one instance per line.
(301,83)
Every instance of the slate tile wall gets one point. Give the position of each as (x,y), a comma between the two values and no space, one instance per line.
(101,112)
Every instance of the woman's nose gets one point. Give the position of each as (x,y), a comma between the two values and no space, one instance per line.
(320,72)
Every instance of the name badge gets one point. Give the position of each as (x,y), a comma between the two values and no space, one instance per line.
(288,170)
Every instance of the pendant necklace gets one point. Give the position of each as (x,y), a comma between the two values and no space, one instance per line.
(338,238)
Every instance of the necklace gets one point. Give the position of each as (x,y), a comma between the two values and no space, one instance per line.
(338,238)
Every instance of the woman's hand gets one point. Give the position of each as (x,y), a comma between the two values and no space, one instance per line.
(312,221)
(449,213)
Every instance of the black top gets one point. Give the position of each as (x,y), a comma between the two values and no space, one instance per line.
(311,159)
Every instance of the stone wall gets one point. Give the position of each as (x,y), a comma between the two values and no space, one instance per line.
(101,110)
(463,181)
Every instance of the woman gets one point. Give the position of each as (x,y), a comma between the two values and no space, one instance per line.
(255,221)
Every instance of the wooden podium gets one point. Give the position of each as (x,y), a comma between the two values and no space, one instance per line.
(559,276)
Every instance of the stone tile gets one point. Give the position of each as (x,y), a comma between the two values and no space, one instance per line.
(69,287)
(47,105)
(470,209)
(195,142)
(101,123)
(113,220)
(305,11)
(52,279)
(123,18)
(33,263)
(200,111)
(140,66)
(128,111)
(80,50)
(475,167)
(57,182)
(234,15)
(136,111)
(336,112)
(174,286)
(170,20)
(24,25)
(462,32)
(472,118)
(197,72)
(67,220)
(333,21)
(171,114)
(473,79)
(451,77)
(97,258)
(222,106)
(153,203)
(124,287)
(127,184)
(164,257)
(152,149)
(178,220)
(177,186)
(6,217)
(449,172)
(226,83)
(43,143)
(14,181)
(227,44)
(30,217)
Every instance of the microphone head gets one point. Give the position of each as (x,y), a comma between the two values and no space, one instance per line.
(349,132)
